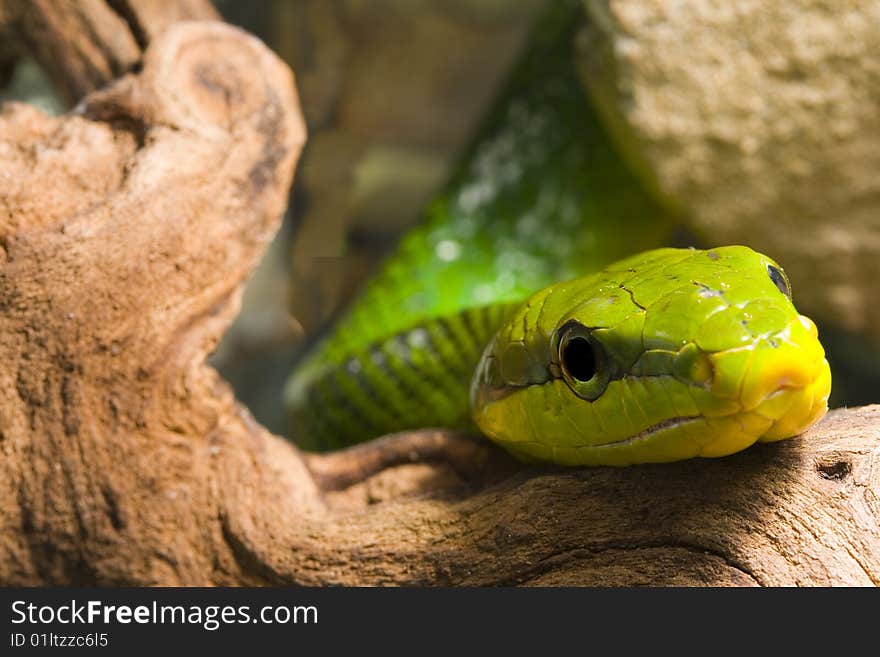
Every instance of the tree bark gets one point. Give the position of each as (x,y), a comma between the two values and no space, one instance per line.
(127,229)
(83,44)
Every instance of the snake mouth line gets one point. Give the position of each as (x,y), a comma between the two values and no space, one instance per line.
(682,420)
(649,432)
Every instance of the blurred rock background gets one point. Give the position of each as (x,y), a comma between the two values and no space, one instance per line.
(756,120)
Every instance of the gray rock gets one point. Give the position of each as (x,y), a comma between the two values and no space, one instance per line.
(760,121)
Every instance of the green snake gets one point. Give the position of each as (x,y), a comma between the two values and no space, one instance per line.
(659,356)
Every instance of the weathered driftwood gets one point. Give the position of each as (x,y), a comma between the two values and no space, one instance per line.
(84,44)
(126,231)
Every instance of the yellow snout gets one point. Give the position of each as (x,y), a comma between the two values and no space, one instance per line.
(783,379)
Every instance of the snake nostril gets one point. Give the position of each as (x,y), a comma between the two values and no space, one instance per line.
(809,325)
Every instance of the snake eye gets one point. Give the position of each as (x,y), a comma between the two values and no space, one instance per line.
(780,280)
(582,361)
(578,360)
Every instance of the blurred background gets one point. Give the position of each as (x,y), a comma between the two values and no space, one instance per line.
(756,125)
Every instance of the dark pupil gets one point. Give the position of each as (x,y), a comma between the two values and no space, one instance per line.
(778,279)
(578,359)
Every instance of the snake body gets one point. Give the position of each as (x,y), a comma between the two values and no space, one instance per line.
(467,327)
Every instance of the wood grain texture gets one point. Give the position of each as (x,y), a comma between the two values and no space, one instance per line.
(127,229)
(84,44)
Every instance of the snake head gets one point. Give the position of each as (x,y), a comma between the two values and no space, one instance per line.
(666,355)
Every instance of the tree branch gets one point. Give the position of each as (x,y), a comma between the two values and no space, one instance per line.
(84,45)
